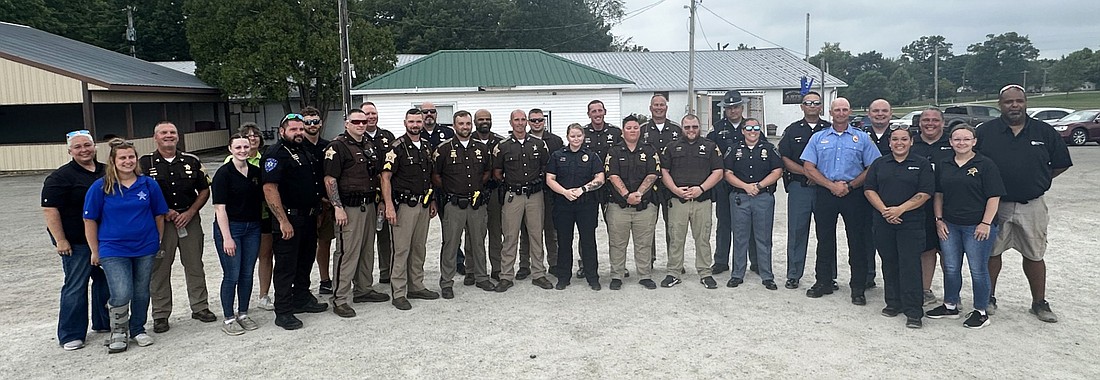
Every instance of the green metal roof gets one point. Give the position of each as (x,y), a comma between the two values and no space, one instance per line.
(491,68)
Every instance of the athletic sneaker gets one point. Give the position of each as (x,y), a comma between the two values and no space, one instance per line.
(670,281)
(929,297)
(942,312)
(326,287)
(247,323)
(1042,311)
(975,320)
(73,345)
(143,339)
(265,303)
(232,328)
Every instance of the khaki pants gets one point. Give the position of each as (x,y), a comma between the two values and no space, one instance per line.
(697,215)
(549,236)
(354,257)
(1024,228)
(456,220)
(522,210)
(409,237)
(190,249)
(621,224)
(494,230)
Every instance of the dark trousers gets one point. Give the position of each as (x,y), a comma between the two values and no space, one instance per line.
(583,216)
(900,248)
(293,263)
(724,238)
(854,209)
(385,246)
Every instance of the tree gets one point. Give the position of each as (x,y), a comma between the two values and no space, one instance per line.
(161,35)
(902,86)
(1001,59)
(836,59)
(870,61)
(1069,72)
(924,49)
(867,87)
(260,49)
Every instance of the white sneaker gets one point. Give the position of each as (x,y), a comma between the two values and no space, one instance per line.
(265,303)
(231,328)
(143,340)
(73,345)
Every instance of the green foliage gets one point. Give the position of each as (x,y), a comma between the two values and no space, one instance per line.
(836,59)
(1069,72)
(1000,60)
(902,86)
(867,87)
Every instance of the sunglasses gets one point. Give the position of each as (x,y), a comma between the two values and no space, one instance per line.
(428,111)
(82,132)
(539,120)
(358,122)
(811,103)
(894,127)
(293,116)
(752,128)
(312,122)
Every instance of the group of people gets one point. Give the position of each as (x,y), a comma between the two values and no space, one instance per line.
(972,192)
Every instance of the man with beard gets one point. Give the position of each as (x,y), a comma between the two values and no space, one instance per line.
(536,120)
(316,145)
(435,133)
(599,136)
(658,132)
(1030,154)
(293,190)
(484,122)
(186,188)
(382,140)
(407,191)
(461,170)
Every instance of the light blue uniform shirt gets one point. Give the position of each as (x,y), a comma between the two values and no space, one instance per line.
(841,156)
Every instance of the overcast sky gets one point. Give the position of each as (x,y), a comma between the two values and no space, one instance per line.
(1055,27)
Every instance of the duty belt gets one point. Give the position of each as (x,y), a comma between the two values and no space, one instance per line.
(525,189)
(359,199)
(474,200)
(640,207)
(302,211)
(769,189)
(412,200)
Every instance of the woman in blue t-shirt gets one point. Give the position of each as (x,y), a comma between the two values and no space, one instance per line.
(123,221)
(238,196)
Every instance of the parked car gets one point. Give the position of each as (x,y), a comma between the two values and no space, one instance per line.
(908,121)
(859,121)
(1079,127)
(1048,114)
(972,114)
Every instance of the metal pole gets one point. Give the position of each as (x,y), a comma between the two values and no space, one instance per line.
(807,58)
(131,33)
(936,75)
(345,59)
(691,60)
(1024,85)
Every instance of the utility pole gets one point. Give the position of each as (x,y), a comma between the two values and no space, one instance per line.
(131,33)
(345,59)
(936,74)
(1025,81)
(807,58)
(691,59)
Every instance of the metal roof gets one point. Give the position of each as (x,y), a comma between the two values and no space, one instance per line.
(92,64)
(714,69)
(504,68)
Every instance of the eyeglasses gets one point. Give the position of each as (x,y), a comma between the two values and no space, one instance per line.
(251,136)
(752,128)
(312,121)
(428,111)
(691,127)
(358,122)
(811,103)
(82,132)
(539,120)
(293,116)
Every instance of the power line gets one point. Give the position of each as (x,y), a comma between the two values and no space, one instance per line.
(699,20)
(746,31)
(417,23)
(626,16)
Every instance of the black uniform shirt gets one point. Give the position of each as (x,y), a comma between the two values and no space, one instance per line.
(575,169)
(632,167)
(794,141)
(553,142)
(753,164)
(897,182)
(354,164)
(180,180)
(599,141)
(461,168)
(1026,160)
(318,153)
(382,140)
(881,142)
(660,138)
(438,135)
(64,190)
(292,167)
(522,163)
(935,152)
(491,144)
(242,194)
(728,136)
(411,166)
(691,162)
(966,188)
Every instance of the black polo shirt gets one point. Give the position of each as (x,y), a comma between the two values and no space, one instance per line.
(411,166)
(881,142)
(691,162)
(354,164)
(753,164)
(1026,160)
(575,169)
(632,167)
(600,141)
(292,167)
(64,189)
(794,141)
(462,169)
(242,194)
(896,182)
(180,179)
(966,188)
(935,152)
(522,162)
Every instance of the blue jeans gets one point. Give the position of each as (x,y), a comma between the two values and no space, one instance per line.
(128,278)
(72,319)
(960,240)
(237,270)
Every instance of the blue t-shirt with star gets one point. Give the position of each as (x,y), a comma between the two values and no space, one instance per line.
(127,227)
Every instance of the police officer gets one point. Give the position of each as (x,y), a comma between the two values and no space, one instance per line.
(519,163)
(598,137)
(839,192)
(934,145)
(752,170)
(407,192)
(483,120)
(573,174)
(658,132)
(880,114)
(692,166)
(435,133)
(897,187)
(536,121)
(351,167)
(382,140)
(727,133)
(800,189)
(292,188)
(632,168)
(325,226)
(186,188)
(461,169)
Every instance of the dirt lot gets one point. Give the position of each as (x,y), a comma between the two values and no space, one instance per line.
(683,332)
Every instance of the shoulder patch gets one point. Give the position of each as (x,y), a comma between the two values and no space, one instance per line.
(270,164)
